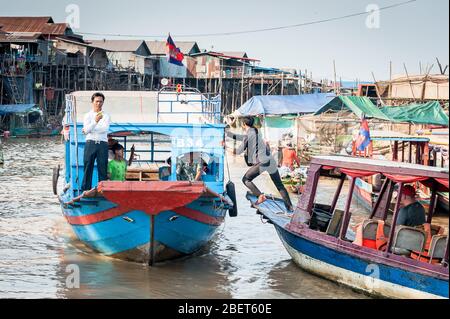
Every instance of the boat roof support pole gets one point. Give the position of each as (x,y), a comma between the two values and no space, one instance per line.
(388,200)
(347,214)
(432,207)
(394,218)
(313,190)
(380,198)
(338,192)
(445,260)
(306,201)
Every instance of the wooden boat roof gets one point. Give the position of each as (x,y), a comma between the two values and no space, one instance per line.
(381,166)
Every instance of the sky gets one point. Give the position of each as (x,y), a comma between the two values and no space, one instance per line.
(411,34)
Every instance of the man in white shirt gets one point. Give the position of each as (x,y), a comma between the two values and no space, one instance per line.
(96,127)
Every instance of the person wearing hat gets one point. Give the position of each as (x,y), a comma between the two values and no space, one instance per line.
(412,212)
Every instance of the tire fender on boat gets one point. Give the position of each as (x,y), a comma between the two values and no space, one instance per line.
(231,192)
(55,179)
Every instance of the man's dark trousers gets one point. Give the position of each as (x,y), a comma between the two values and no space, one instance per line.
(95,150)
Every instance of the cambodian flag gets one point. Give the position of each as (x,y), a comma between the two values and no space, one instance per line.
(363,139)
(174,53)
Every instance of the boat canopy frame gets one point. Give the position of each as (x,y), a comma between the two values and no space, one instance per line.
(185,138)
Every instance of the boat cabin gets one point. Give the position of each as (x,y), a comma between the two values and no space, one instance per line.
(162,131)
(425,243)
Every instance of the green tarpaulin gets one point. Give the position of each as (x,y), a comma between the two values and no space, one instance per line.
(428,113)
(359,105)
(280,122)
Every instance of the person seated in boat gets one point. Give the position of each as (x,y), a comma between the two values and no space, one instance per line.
(189,171)
(166,171)
(117,167)
(412,212)
(257,156)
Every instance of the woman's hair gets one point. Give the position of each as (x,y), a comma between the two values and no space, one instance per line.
(98,94)
(249,121)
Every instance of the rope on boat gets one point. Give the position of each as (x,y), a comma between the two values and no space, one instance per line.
(75,127)
(91,193)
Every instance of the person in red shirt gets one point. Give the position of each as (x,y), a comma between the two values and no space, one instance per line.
(289,157)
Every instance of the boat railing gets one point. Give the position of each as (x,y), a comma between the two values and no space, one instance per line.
(189,105)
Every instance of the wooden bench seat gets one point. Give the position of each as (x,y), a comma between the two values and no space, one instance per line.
(143,173)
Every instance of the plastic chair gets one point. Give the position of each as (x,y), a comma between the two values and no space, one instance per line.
(407,239)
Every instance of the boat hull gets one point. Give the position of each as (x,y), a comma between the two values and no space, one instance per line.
(101,225)
(363,275)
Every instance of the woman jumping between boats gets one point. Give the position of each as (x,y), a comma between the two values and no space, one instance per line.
(257,156)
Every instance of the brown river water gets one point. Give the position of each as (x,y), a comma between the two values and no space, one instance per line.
(37,247)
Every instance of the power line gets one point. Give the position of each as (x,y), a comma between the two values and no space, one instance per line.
(255,30)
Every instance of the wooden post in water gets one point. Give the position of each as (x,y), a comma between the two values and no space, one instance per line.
(242,84)
(334,71)
(151,259)
(299,82)
(262,83)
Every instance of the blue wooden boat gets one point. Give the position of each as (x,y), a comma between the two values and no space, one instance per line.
(152,216)
(318,238)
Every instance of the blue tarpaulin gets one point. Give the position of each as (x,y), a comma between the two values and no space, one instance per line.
(284,104)
(15,108)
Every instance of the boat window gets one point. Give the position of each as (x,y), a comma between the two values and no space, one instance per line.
(151,151)
(197,166)
(322,215)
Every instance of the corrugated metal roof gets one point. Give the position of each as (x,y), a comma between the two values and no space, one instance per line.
(117,45)
(235,54)
(20,37)
(55,29)
(25,24)
(221,55)
(159,47)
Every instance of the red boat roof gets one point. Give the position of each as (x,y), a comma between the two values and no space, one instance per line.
(381,166)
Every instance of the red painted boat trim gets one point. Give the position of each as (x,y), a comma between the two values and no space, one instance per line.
(97,217)
(198,216)
(118,211)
